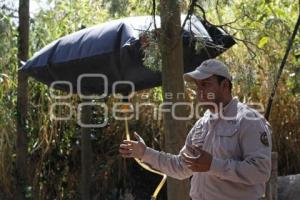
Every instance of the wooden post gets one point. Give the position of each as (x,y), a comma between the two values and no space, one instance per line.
(22,102)
(272,185)
(86,154)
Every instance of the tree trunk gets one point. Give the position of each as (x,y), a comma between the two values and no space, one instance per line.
(172,83)
(22,101)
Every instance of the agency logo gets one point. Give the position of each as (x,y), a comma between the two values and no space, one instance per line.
(133,111)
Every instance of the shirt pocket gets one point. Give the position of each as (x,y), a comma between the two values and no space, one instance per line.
(198,138)
(226,142)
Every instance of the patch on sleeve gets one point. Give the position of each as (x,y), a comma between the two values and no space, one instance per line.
(264,138)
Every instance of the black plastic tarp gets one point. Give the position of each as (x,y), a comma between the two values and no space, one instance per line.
(113,49)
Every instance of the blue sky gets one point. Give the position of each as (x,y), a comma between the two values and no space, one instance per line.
(35,5)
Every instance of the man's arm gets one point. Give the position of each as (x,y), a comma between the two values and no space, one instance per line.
(172,165)
(169,164)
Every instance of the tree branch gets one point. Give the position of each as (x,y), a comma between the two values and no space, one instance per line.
(203,11)
(289,46)
(189,14)
(154,14)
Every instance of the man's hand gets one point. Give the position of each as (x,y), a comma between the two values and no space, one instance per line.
(133,149)
(199,163)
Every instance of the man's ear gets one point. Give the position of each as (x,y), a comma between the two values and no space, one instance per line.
(225,84)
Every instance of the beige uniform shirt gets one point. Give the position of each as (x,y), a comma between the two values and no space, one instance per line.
(240,143)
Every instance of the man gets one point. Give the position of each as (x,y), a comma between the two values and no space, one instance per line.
(227,152)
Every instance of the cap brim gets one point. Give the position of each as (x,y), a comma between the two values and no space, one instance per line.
(195,75)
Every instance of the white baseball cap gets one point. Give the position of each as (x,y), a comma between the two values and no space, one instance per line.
(207,69)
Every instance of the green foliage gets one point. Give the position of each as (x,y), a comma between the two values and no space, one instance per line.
(261,28)
(8,71)
(152,55)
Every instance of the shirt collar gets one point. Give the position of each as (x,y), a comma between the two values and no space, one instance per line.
(233,101)
(227,110)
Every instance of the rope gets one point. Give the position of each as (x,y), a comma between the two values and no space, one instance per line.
(145,166)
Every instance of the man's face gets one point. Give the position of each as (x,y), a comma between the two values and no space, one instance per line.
(209,91)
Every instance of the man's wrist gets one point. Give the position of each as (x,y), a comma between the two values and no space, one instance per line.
(149,155)
(142,153)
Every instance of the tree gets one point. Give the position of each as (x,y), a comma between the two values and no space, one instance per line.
(172,82)
(21,144)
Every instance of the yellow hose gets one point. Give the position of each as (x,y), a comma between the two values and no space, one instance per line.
(146,167)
